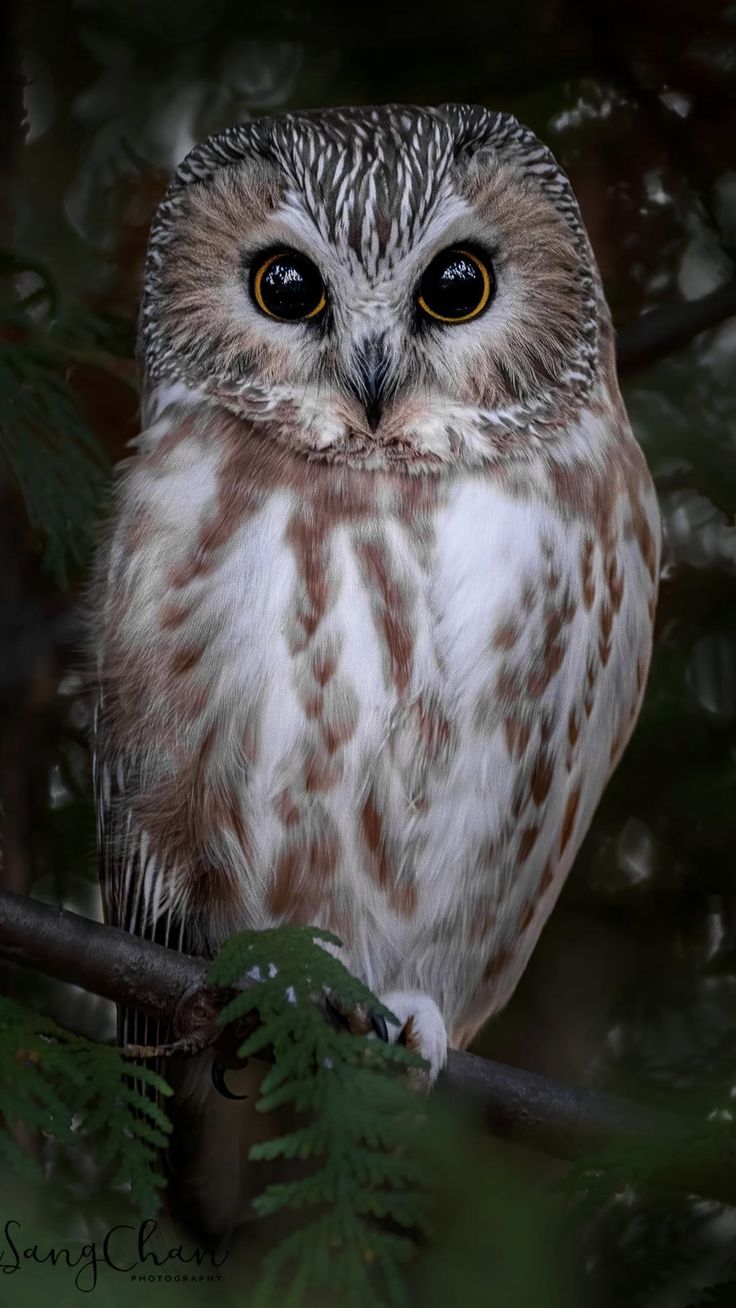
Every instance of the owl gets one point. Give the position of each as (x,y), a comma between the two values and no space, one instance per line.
(373,619)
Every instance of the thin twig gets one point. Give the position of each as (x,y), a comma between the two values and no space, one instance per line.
(665,330)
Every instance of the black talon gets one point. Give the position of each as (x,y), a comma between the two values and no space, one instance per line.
(218,1081)
(336,1019)
(378,1022)
(341,1022)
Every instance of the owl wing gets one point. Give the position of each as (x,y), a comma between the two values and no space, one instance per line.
(564,680)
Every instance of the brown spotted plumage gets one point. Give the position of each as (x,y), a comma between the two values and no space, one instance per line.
(373,621)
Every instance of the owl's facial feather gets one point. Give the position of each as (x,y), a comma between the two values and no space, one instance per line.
(371,362)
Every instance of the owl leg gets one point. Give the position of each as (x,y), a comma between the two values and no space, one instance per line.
(421,1028)
(359,1021)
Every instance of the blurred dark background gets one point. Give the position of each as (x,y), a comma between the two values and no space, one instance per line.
(633,986)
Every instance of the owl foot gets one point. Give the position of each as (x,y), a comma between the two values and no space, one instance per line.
(359,1021)
(217,1073)
(421,1028)
(188,1045)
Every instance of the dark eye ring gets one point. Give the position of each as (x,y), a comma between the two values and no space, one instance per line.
(456,286)
(286,285)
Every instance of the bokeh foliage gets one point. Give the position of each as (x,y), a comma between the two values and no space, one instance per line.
(632,987)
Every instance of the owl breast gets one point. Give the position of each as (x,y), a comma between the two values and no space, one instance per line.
(387,705)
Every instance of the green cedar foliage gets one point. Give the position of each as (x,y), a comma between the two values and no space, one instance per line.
(70,1088)
(375,1173)
(46,440)
(364,1191)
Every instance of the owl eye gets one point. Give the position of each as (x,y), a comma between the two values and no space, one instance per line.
(288,286)
(455,287)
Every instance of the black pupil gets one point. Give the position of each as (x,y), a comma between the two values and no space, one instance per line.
(291,286)
(453,285)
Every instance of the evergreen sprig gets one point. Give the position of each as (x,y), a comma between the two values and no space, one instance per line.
(45,437)
(68,1087)
(357,1176)
(645,1162)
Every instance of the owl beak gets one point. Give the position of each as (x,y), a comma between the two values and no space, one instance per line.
(373,410)
(372,371)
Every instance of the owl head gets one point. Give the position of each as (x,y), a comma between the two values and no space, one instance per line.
(375,284)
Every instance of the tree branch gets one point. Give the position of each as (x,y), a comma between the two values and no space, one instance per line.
(517,1105)
(665,330)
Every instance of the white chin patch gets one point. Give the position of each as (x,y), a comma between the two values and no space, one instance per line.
(317,428)
(430,435)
